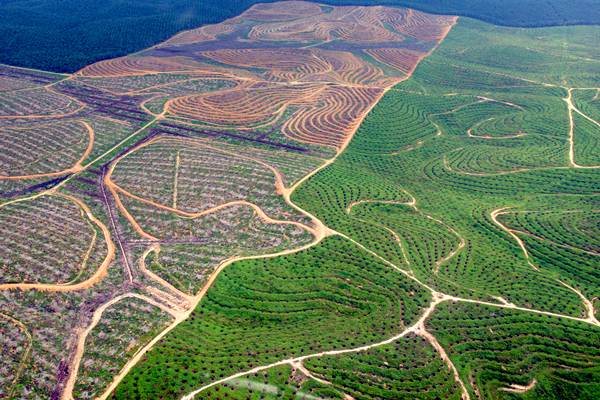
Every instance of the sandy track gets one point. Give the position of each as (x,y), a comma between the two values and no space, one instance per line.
(483,99)
(74,367)
(492,137)
(389,230)
(300,367)
(571,109)
(588,305)
(507,103)
(196,299)
(296,360)
(413,204)
(421,331)
(501,211)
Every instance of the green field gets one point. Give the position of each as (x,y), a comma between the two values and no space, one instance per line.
(332,296)
(496,348)
(442,179)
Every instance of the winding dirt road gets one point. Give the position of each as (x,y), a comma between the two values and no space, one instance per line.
(589,306)
(571,109)
(74,367)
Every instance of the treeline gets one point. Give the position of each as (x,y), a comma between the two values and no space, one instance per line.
(65,35)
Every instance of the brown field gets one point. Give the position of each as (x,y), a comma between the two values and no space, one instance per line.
(128,65)
(332,117)
(244,107)
(403,60)
(51,233)
(44,149)
(319,68)
(36,103)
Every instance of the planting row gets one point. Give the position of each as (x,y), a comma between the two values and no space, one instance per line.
(332,296)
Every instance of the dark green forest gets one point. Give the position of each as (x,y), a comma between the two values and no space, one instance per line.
(65,35)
